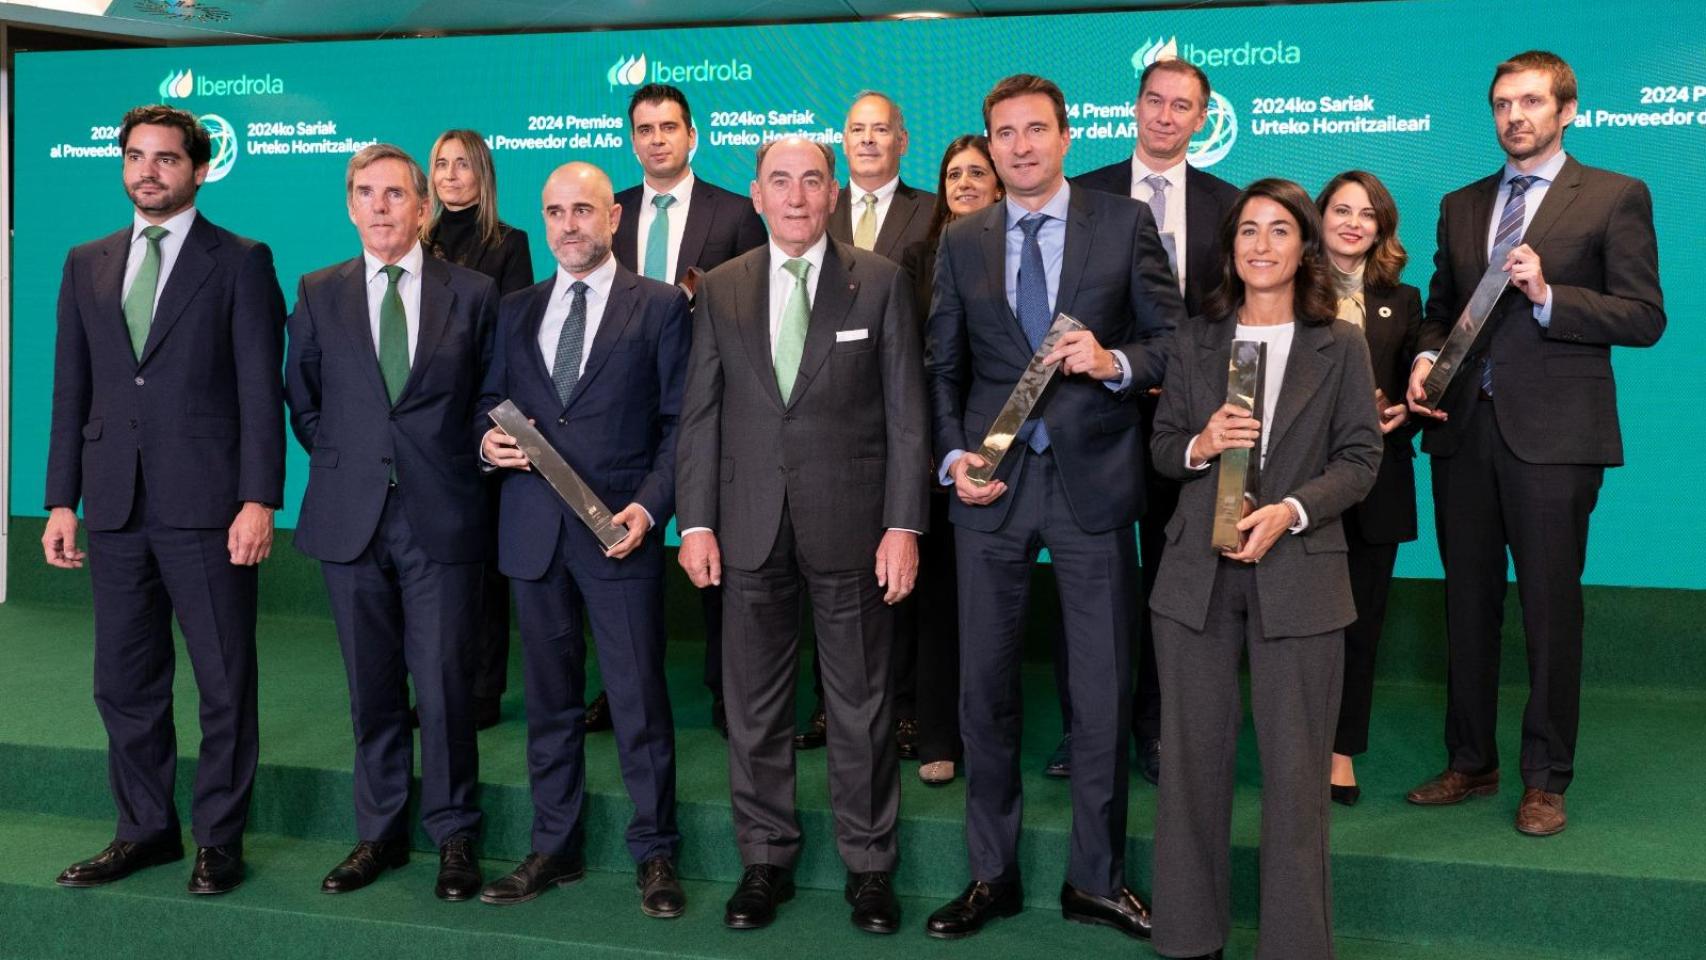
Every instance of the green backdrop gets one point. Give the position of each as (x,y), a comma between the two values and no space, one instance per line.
(1302,92)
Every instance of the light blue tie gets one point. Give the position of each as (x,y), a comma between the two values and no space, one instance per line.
(1033,311)
(1158,200)
(657,240)
(1510,228)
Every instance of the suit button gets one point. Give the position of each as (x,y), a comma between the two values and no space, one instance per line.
(139,381)
(133,424)
(788,419)
(385,460)
(392,418)
(561,421)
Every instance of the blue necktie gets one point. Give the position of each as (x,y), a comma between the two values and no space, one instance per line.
(1034,316)
(1510,228)
(567,368)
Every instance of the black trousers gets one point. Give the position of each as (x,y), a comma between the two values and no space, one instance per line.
(142,574)
(1371,580)
(1486,499)
(927,643)
(491,678)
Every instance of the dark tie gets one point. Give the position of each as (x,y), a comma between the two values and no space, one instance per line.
(1034,316)
(1510,228)
(567,367)
(393,335)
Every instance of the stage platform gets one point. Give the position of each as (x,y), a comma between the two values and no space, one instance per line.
(1627,879)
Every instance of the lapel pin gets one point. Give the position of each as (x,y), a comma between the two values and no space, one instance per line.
(1385,312)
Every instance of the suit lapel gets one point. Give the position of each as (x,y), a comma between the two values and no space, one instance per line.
(1214,346)
(626,244)
(352,307)
(1480,218)
(752,316)
(836,288)
(194,264)
(1305,371)
(529,344)
(618,311)
(1080,235)
(1202,228)
(903,206)
(436,300)
(1559,196)
(994,246)
(109,292)
(701,210)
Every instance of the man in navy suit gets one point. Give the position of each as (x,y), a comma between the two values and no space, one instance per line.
(596,356)
(169,336)
(676,226)
(1188,205)
(386,355)
(1072,483)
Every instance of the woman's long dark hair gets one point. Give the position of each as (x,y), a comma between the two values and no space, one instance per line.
(941,216)
(1313,299)
(1384,263)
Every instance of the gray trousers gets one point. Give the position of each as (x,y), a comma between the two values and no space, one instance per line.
(1294,695)
(761,642)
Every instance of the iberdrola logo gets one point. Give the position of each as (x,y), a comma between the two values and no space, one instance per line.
(1219,132)
(177,85)
(627,72)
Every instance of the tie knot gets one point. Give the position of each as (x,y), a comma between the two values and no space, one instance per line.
(869,200)
(392,272)
(579,288)
(153,233)
(663,201)
(1156,182)
(1520,185)
(799,267)
(1031,223)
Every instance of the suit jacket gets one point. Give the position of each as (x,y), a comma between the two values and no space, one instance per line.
(1323,449)
(1555,399)
(203,399)
(846,454)
(1392,327)
(907,222)
(721,225)
(1114,279)
(355,437)
(1208,199)
(508,262)
(617,430)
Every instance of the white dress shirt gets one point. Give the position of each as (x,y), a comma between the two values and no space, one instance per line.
(885,198)
(1278,337)
(177,228)
(1175,226)
(408,287)
(562,298)
(683,194)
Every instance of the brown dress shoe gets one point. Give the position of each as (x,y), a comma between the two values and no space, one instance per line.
(1453,787)
(1541,814)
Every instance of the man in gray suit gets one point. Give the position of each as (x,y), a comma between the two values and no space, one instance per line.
(802,462)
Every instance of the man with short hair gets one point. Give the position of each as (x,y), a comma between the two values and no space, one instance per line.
(1069,483)
(677,226)
(1523,435)
(1188,205)
(386,355)
(878,211)
(802,465)
(170,336)
(596,356)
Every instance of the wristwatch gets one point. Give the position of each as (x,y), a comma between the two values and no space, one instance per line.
(1119,366)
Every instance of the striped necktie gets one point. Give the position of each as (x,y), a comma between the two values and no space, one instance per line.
(1510,228)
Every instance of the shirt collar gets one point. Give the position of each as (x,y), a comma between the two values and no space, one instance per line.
(1057,207)
(410,262)
(178,226)
(881,193)
(813,255)
(1547,171)
(600,280)
(681,192)
(1175,174)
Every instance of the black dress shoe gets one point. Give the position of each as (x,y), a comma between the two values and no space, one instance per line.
(980,903)
(1149,760)
(763,887)
(120,859)
(217,869)
(906,739)
(1125,911)
(365,863)
(534,876)
(458,870)
(488,711)
(598,714)
(1346,795)
(719,717)
(816,733)
(1059,765)
(661,895)
(875,908)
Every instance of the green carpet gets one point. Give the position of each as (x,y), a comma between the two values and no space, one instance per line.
(1629,873)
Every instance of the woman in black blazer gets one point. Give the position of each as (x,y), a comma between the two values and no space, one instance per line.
(1282,598)
(1361,237)
(464,229)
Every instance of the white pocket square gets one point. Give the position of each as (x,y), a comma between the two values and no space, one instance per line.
(845,336)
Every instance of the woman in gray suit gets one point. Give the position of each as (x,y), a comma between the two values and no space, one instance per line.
(1283,597)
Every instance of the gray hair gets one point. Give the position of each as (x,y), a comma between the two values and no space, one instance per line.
(764,148)
(369,155)
(899,120)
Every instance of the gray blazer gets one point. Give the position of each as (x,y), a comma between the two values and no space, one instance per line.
(1324,449)
(847,455)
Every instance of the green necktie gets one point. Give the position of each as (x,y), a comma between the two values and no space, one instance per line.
(791,339)
(865,234)
(657,240)
(139,302)
(393,336)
